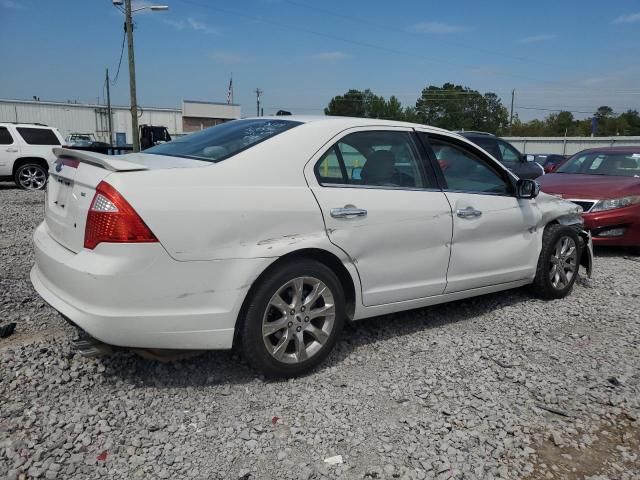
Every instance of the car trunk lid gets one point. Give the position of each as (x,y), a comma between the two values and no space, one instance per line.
(72,186)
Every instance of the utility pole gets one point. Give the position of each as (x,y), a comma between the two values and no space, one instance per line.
(109,111)
(258,93)
(132,76)
(513,97)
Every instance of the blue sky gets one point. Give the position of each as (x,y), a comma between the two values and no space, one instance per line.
(573,55)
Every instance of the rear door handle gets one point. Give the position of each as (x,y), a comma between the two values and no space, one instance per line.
(468,212)
(348,212)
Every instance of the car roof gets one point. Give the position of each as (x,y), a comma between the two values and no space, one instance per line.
(625,149)
(348,122)
(30,125)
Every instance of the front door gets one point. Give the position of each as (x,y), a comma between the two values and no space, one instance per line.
(494,233)
(385,212)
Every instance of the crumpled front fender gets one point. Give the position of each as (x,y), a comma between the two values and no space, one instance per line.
(586,260)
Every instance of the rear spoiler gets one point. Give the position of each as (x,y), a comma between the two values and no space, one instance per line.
(99,160)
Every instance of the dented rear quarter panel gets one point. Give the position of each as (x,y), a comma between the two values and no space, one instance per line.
(255,204)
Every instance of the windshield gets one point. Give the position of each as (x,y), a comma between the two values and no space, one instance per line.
(599,163)
(222,141)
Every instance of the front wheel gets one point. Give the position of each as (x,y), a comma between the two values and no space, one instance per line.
(31,176)
(559,262)
(293,319)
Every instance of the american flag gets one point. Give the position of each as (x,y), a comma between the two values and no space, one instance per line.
(230,92)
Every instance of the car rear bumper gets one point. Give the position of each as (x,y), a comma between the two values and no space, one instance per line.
(620,227)
(136,295)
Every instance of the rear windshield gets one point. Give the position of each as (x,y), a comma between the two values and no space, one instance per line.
(598,163)
(222,141)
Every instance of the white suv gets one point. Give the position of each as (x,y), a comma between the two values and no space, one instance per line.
(26,153)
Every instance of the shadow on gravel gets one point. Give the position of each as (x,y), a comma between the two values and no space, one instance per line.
(225,368)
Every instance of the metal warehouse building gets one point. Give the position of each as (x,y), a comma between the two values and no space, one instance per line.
(87,118)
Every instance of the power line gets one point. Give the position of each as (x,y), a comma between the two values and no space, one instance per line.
(386,28)
(115,79)
(346,40)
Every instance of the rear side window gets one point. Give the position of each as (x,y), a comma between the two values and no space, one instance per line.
(217,143)
(38,136)
(5,136)
(372,159)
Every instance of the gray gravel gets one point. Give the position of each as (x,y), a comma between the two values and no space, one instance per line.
(503,386)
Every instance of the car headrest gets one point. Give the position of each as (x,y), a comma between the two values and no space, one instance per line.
(379,167)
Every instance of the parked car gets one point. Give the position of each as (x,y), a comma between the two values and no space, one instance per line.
(270,233)
(522,165)
(605,182)
(548,161)
(79,139)
(26,154)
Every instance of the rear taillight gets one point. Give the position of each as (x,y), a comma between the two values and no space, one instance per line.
(111,219)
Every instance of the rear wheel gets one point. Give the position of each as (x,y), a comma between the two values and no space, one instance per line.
(31,176)
(293,319)
(559,262)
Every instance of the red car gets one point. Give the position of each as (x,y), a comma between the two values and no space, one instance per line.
(605,182)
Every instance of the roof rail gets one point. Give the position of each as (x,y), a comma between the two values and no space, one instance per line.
(27,123)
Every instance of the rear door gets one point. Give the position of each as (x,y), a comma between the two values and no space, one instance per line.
(9,151)
(494,233)
(384,209)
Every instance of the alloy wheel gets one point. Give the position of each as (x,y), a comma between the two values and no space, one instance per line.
(298,320)
(32,178)
(564,262)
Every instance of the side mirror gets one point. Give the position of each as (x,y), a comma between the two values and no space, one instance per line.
(527,188)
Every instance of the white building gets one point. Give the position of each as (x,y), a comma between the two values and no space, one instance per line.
(87,118)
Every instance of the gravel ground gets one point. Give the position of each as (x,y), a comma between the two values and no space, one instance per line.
(502,386)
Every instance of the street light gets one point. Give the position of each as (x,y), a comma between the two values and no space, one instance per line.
(128,26)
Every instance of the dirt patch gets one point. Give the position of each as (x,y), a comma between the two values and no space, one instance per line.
(612,449)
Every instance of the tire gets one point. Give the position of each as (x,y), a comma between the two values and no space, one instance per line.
(277,337)
(559,262)
(31,176)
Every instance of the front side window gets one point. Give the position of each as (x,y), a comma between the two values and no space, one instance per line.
(38,136)
(599,163)
(215,144)
(372,159)
(489,144)
(509,154)
(464,171)
(5,136)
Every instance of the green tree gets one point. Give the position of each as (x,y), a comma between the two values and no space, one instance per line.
(559,124)
(394,109)
(456,107)
(351,104)
(630,123)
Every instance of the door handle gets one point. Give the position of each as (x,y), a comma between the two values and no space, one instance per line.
(348,212)
(468,212)
(11,149)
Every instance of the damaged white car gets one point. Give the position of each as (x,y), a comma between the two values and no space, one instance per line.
(269,233)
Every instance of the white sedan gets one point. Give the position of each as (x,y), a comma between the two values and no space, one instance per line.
(269,233)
